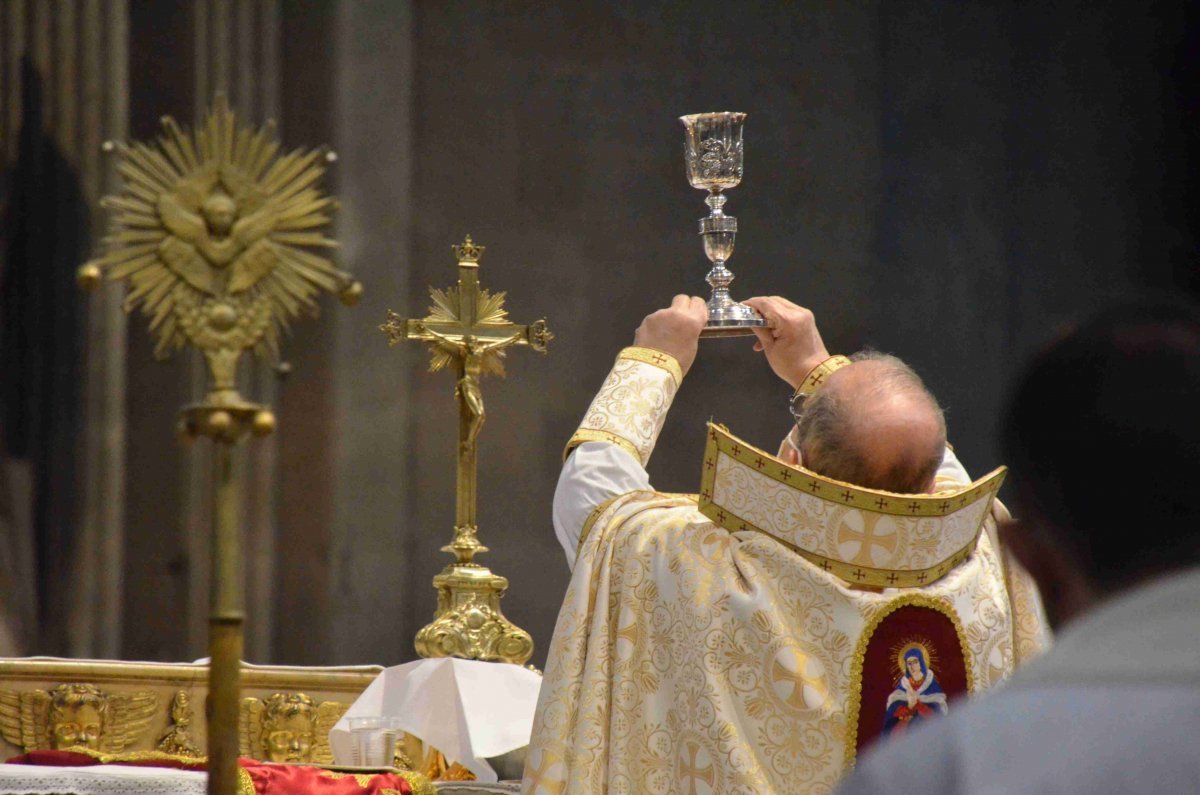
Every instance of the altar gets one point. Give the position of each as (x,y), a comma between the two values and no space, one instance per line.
(130,780)
(84,726)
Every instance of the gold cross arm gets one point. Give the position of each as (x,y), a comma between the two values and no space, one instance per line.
(489,335)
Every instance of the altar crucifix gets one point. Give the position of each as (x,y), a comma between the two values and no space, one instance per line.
(468,327)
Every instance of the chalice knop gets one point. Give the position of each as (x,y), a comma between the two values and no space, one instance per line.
(713,153)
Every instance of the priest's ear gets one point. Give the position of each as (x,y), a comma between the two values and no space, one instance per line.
(1065,588)
(789,452)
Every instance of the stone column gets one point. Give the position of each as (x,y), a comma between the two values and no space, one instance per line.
(372,575)
(72,55)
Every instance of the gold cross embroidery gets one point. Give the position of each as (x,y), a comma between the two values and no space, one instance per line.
(798,679)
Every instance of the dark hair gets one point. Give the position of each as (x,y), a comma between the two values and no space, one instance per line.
(1102,436)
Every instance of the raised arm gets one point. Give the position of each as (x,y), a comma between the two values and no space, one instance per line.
(606,456)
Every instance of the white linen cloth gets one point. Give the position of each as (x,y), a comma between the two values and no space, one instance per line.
(467,709)
(1114,706)
(100,780)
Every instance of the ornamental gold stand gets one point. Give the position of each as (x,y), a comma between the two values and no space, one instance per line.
(468,327)
(212,232)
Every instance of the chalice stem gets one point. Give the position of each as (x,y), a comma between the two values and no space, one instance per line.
(225,627)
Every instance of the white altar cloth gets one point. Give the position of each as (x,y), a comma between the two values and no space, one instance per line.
(100,780)
(467,709)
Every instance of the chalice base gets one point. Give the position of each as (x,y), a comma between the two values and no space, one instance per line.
(731,319)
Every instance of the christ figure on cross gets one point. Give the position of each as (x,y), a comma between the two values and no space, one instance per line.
(472,351)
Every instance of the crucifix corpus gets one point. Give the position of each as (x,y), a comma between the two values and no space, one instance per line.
(468,328)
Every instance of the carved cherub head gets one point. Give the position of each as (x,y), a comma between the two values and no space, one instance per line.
(77,716)
(288,728)
(219,212)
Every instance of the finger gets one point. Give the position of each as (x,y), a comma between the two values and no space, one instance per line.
(680,301)
(699,306)
(765,339)
(764,303)
(767,308)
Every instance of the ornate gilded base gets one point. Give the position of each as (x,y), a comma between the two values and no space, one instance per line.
(468,622)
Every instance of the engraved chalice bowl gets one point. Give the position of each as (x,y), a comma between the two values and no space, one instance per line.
(713,154)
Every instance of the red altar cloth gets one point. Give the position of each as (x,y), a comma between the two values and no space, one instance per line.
(254,777)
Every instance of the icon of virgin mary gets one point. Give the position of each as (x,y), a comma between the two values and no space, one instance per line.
(917,696)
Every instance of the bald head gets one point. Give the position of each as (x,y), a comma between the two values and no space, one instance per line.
(874,424)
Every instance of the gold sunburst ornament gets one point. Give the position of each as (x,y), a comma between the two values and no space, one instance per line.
(217,235)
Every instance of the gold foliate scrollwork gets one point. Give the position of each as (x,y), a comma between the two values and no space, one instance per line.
(177,739)
(288,727)
(75,715)
(469,623)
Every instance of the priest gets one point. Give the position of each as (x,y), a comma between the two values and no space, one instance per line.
(748,638)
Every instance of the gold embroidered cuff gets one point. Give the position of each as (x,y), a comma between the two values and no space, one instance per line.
(632,405)
(655,357)
(817,376)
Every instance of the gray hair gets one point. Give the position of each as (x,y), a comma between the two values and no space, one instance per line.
(827,427)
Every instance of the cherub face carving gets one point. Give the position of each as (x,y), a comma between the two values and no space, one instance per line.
(289,728)
(219,213)
(77,716)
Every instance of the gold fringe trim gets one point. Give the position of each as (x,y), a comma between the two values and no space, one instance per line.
(421,785)
(193,762)
(245,782)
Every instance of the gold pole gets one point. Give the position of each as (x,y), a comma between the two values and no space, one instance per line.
(215,234)
(225,626)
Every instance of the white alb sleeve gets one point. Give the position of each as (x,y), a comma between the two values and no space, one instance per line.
(594,472)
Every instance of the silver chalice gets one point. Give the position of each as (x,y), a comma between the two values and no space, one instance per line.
(713,153)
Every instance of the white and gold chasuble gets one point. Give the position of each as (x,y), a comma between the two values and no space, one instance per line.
(726,642)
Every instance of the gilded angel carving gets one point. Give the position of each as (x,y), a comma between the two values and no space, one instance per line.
(288,727)
(75,715)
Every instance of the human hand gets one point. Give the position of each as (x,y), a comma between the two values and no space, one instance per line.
(675,330)
(791,341)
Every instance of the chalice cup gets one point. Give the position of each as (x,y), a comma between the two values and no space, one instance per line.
(713,154)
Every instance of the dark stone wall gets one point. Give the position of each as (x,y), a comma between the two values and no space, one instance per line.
(947,182)
(950,182)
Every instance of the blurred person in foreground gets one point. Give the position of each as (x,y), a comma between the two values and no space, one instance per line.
(754,637)
(1103,435)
